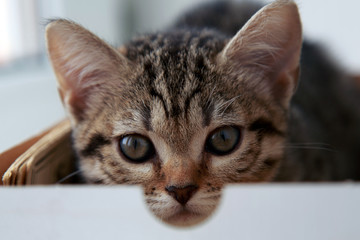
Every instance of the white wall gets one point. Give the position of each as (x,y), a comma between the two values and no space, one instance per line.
(334,23)
(105,17)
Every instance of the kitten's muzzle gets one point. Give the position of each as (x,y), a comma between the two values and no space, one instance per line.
(182,194)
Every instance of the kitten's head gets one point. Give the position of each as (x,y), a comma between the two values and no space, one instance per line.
(181,113)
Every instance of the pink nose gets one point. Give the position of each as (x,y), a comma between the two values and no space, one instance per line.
(182,194)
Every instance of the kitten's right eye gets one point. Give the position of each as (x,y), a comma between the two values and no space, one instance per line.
(136,148)
(223,140)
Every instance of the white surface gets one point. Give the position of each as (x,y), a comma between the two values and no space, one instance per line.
(247,212)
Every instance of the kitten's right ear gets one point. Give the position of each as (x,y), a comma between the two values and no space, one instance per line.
(266,51)
(82,63)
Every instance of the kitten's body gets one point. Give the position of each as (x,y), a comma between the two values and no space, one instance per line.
(324,123)
(176,91)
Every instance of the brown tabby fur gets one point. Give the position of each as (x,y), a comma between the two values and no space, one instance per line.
(176,87)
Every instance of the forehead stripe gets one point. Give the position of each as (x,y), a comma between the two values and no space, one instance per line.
(157,95)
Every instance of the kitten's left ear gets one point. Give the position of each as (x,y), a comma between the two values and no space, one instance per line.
(266,51)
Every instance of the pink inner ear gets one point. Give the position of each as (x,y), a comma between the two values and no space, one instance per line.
(78,106)
(85,88)
(285,85)
(72,93)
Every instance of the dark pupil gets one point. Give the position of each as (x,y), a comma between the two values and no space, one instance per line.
(135,148)
(224,140)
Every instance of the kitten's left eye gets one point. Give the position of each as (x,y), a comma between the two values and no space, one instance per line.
(223,140)
(136,148)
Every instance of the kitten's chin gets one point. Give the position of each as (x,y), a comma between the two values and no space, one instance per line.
(185,218)
(198,209)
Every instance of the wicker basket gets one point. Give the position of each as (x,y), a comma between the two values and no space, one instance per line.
(44,159)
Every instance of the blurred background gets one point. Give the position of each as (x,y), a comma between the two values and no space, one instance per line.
(29,101)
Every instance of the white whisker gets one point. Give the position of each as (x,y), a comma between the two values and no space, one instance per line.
(310,146)
(69,176)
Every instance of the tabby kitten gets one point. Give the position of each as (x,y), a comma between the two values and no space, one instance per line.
(185,111)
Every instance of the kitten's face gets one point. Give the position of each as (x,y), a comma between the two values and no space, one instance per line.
(181,114)
(181,149)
